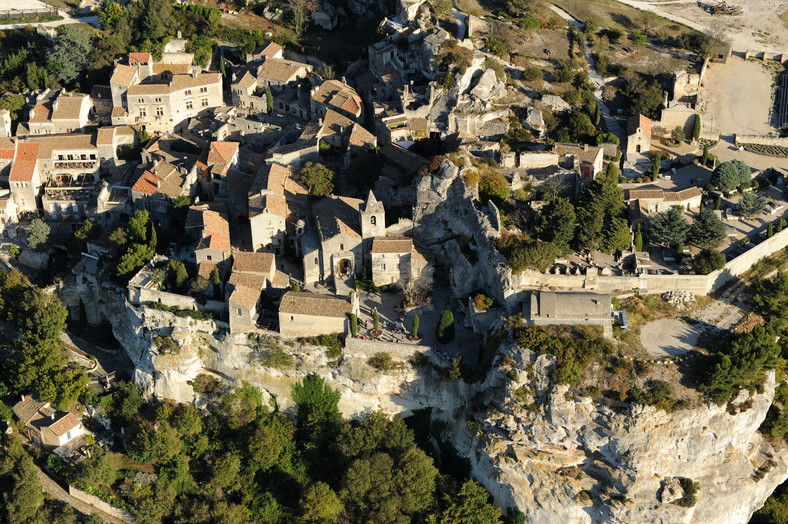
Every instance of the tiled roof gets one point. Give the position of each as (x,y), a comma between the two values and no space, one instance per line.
(140,58)
(24,165)
(400,157)
(163,178)
(646,193)
(684,194)
(247,80)
(335,123)
(586,154)
(215,231)
(261,263)
(28,408)
(68,107)
(118,112)
(270,50)
(314,304)
(337,215)
(281,70)
(222,152)
(640,121)
(178,83)
(175,69)
(67,142)
(360,137)
(205,269)
(246,297)
(105,136)
(123,75)
(7,148)
(246,280)
(334,93)
(64,424)
(392,245)
(147,183)
(281,280)
(42,112)
(274,204)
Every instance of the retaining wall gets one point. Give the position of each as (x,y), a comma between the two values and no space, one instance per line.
(368,348)
(654,284)
(761,140)
(100,505)
(139,296)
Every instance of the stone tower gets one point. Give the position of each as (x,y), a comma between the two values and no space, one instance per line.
(373,218)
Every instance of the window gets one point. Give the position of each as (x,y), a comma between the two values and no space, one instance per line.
(341,247)
(383,267)
(240,311)
(188,92)
(68,436)
(315,260)
(188,104)
(159,111)
(291,318)
(209,257)
(158,100)
(143,113)
(203,90)
(204,102)
(373,220)
(141,100)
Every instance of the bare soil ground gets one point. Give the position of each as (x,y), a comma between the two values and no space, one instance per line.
(736,98)
(668,337)
(759,27)
(546,44)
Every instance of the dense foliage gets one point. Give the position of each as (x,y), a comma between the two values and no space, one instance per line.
(731,174)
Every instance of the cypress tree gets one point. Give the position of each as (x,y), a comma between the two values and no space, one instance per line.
(415,329)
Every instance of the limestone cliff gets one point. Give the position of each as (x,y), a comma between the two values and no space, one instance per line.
(557,457)
(564,459)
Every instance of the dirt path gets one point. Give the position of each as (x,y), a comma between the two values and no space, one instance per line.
(53,488)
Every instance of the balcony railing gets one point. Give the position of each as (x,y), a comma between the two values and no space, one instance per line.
(76,164)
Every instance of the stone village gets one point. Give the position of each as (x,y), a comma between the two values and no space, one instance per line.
(274,246)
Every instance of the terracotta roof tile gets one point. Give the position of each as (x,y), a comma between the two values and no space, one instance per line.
(258,263)
(314,304)
(140,58)
(646,193)
(392,245)
(123,75)
(684,194)
(334,93)
(246,297)
(105,136)
(640,121)
(68,107)
(281,70)
(42,112)
(24,166)
(7,148)
(222,152)
(65,424)
(247,280)
(360,137)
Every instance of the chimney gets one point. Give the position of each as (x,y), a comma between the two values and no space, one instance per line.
(55,104)
(52,416)
(343,80)
(585,147)
(179,35)
(23,397)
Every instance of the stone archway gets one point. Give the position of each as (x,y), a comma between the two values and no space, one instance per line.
(344,267)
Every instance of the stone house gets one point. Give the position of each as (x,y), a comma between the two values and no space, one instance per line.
(339,236)
(215,166)
(9,214)
(335,129)
(638,137)
(157,186)
(311,314)
(210,225)
(587,161)
(277,210)
(252,273)
(549,308)
(5,123)
(647,201)
(66,113)
(397,260)
(359,142)
(161,96)
(337,96)
(24,178)
(277,74)
(262,53)
(46,426)
(245,94)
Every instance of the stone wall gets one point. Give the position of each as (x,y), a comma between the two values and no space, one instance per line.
(99,504)
(138,296)
(761,140)
(295,325)
(358,347)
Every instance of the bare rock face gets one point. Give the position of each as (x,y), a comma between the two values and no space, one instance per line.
(560,458)
(489,87)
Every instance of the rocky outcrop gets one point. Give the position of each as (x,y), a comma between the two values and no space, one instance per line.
(488,87)
(561,458)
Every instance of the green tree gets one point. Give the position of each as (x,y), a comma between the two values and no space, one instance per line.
(696,127)
(707,230)
(318,414)
(471,504)
(269,101)
(138,226)
(13,104)
(96,471)
(638,39)
(538,255)
(39,314)
(617,236)
(270,440)
(187,420)
(20,496)
(353,325)
(677,135)
(414,481)
(751,204)
(707,261)
(217,282)
(320,505)
(39,365)
(243,406)
(556,223)
(70,55)
(152,444)
(493,185)
(375,321)
(127,402)
(729,175)
(156,18)
(704,159)
(638,239)
(769,230)
(225,470)
(177,476)
(37,234)
(137,256)
(655,166)
(497,47)
(771,295)
(669,227)
(414,331)
(600,202)
(444,331)
(110,14)
(441,8)
(179,274)
(318,179)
